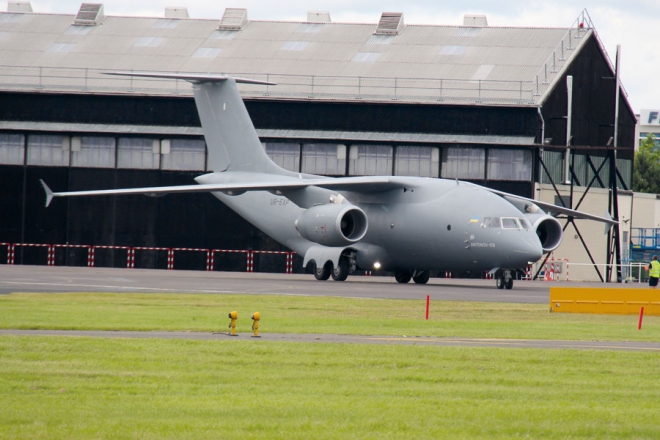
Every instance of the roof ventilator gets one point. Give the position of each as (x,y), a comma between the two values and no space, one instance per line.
(176,12)
(475,20)
(89,14)
(19,7)
(318,17)
(391,23)
(233,19)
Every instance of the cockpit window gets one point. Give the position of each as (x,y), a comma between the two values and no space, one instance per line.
(510,223)
(490,222)
(525,223)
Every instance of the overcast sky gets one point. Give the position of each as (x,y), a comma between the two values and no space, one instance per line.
(634,24)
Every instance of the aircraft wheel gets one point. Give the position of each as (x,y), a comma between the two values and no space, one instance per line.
(499,282)
(422,277)
(402,276)
(322,273)
(508,284)
(340,273)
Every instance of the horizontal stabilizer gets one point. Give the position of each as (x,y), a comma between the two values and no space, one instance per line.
(197,78)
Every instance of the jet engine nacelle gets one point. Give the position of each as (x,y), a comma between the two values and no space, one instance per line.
(333,224)
(549,231)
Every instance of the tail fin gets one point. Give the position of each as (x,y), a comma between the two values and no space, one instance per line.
(232,141)
(231,138)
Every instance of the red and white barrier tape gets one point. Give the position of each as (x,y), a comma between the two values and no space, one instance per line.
(126,248)
(148,248)
(209,256)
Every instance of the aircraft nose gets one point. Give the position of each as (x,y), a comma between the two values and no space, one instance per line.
(535,248)
(530,248)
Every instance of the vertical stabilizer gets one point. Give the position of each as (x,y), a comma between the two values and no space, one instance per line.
(232,141)
(233,144)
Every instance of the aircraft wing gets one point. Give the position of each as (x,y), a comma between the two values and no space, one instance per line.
(364,184)
(550,208)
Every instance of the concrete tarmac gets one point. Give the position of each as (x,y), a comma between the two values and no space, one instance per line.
(84,279)
(353,339)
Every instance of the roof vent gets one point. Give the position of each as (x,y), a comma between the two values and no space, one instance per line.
(19,7)
(391,23)
(176,12)
(318,17)
(475,20)
(89,14)
(233,19)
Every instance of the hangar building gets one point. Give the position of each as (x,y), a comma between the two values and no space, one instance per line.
(464,100)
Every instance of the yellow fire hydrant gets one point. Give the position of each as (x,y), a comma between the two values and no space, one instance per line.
(256,316)
(232,325)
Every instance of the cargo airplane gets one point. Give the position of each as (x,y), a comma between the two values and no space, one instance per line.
(406,225)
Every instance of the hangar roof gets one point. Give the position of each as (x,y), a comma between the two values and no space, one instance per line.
(308,60)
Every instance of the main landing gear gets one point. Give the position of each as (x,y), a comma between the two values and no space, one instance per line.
(418,276)
(322,273)
(345,266)
(504,279)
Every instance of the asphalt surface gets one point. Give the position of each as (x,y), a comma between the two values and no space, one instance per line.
(352,339)
(83,279)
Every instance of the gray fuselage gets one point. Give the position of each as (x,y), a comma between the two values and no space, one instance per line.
(427,224)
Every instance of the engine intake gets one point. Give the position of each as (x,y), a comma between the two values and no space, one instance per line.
(549,231)
(333,224)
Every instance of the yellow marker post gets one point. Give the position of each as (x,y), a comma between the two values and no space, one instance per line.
(256,316)
(232,325)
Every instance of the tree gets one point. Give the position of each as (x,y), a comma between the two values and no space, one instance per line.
(646,177)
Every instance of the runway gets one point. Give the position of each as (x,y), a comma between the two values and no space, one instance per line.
(85,279)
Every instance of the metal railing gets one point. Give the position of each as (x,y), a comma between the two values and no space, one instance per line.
(561,53)
(86,80)
(92,251)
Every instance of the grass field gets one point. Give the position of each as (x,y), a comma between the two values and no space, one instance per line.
(296,314)
(58,387)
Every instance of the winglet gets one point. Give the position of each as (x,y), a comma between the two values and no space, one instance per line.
(49,193)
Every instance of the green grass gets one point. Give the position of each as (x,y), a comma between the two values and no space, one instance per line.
(55,387)
(294,314)
(76,387)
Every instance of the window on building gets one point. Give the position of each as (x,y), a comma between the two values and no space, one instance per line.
(207,52)
(370,160)
(183,154)
(149,41)
(509,164)
(138,153)
(417,161)
(284,154)
(51,150)
(93,152)
(12,149)
(327,159)
(625,169)
(463,163)
(554,162)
